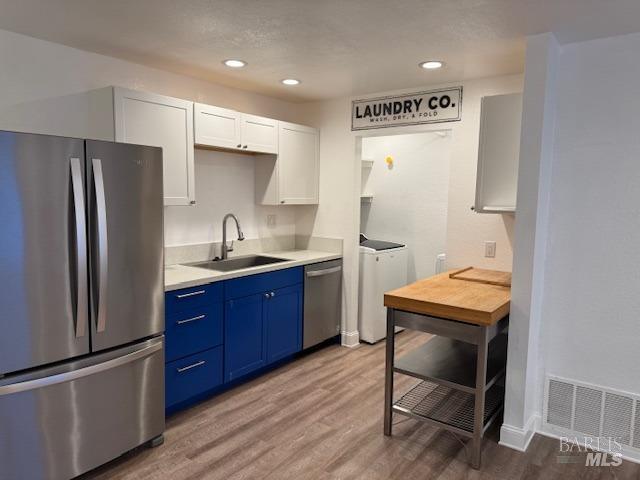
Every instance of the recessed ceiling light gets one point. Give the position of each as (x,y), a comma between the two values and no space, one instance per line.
(431,65)
(291,81)
(234,63)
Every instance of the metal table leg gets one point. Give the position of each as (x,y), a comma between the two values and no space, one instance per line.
(481,382)
(388,377)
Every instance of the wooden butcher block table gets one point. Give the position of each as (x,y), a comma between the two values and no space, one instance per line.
(462,367)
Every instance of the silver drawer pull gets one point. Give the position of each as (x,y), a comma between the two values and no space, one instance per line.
(189,320)
(327,271)
(189,367)
(191,294)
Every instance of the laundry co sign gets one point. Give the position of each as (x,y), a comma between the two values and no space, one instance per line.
(411,109)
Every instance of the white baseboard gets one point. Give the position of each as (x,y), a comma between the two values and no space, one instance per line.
(350,339)
(519,438)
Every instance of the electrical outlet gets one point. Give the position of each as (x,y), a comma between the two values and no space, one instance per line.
(271,220)
(489,249)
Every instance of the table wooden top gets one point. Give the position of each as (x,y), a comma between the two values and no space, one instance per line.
(470,301)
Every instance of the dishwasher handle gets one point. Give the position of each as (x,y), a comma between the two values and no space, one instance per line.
(326,271)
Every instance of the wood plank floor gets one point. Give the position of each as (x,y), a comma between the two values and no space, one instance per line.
(320,417)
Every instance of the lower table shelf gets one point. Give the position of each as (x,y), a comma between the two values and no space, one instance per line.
(448,407)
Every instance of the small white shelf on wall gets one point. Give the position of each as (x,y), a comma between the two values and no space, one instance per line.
(366,198)
(367,163)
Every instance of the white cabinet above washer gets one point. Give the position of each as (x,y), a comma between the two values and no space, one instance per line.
(217,127)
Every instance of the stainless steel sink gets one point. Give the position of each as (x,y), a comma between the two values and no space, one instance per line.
(237,263)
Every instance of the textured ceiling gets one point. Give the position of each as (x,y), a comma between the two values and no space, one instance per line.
(336,47)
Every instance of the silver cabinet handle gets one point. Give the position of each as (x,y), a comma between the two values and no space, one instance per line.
(82,294)
(267,296)
(326,271)
(272,294)
(191,294)
(193,365)
(80,373)
(189,320)
(103,248)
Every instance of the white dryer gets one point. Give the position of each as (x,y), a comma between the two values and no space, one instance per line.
(383,267)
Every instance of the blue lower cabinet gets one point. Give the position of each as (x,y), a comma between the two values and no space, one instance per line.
(194,330)
(192,376)
(282,315)
(244,339)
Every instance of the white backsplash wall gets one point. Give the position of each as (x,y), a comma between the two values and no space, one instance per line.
(225,183)
(409,200)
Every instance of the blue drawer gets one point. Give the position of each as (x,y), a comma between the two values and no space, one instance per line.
(263,282)
(188,298)
(192,331)
(192,376)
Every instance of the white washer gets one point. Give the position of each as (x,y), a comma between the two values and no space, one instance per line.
(383,267)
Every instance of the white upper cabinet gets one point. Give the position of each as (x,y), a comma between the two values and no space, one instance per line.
(166,122)
(498,154)
(223,128)
(259,134)
(217,127)
(292,177)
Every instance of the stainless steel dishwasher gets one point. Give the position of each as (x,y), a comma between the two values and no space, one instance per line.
(322,302)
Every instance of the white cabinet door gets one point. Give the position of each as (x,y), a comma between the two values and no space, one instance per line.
(217,127)
(298,164)
(498,153)
(259,134)
(150,119)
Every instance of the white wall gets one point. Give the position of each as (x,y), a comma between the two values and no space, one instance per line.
(224,183)
(592,280)
(410,199)
(339,209)
(41,80)
(582,259)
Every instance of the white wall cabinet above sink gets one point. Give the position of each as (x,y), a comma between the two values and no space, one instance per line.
(217,127)
(498,154)
(291,178)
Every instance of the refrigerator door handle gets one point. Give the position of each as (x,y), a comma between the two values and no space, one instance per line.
(82,294)
(103,253)
(80,373)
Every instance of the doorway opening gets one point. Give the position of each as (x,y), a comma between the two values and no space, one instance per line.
(403,216)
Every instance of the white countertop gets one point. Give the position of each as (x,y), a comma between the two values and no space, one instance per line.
(183,276)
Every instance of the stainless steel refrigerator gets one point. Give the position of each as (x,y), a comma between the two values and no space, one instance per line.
(81,303)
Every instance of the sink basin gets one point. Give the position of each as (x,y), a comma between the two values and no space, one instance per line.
(237,263)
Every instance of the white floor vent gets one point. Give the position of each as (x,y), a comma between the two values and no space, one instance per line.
(574,408)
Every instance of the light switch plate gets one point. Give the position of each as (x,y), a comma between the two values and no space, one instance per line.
(489,249)
(271,220)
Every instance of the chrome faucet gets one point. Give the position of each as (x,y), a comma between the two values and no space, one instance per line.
(225,248)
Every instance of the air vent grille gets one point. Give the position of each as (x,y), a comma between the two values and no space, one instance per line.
(617,420)
(560,403)
(636,427)
(588,411)
(591,410)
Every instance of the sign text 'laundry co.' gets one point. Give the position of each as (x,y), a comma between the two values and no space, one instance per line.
(410,109)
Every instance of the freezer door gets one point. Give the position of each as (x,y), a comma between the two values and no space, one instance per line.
(126,242)
(43,261)
(59,422)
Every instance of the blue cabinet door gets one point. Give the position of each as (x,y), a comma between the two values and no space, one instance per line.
(283,322)
(244,336)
